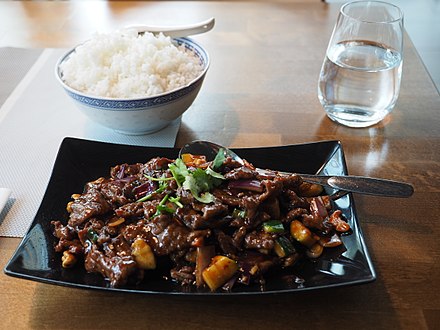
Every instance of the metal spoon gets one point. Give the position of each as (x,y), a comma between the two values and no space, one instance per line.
(346,183)
(176,31)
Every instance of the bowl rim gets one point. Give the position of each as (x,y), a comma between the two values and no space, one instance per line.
(182,40)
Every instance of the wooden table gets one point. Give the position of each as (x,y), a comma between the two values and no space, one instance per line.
(261,90)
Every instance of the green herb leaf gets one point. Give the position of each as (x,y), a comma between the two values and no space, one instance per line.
(199,181)
(205,197)
(199,186)
(179,171)
(191,185)
(214,174)
(219,159)
(202,179)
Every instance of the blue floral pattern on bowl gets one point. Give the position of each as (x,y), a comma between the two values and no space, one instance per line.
(140,104)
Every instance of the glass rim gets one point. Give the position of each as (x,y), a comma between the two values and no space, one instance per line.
(386,4)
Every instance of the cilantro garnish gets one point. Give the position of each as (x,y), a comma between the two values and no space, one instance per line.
(198,181)
(219,159)
(214,174)
(199,188)
(179,171)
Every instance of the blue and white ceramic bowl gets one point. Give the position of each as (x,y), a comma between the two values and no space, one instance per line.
(136,116)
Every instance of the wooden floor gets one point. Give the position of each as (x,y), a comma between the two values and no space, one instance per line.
(422,22)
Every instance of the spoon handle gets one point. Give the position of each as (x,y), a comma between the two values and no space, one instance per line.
(363,185)
(177,31)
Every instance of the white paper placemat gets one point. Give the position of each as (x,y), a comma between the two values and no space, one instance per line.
(4,197)
(33,121)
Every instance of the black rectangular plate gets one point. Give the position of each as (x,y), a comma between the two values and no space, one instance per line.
(79,161)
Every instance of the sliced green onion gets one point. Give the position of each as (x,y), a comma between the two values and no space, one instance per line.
(146,197)
(176,200)
(162,207)
(158,179)
(214,174)
(92,235)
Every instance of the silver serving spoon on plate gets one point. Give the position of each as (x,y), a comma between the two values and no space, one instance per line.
(345,183)
(176,31)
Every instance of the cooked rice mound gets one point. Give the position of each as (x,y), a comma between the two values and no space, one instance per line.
(127,65)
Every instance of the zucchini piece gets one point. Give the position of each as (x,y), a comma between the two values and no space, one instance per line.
(273,226)
(283,247)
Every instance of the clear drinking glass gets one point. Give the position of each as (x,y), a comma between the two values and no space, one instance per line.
(360,78)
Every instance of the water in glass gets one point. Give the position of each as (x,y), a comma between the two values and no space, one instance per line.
(359,82)
(360,78)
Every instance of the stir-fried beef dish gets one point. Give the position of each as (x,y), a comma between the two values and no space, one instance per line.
(217,223)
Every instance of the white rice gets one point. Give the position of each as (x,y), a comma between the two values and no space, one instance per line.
(127,65)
